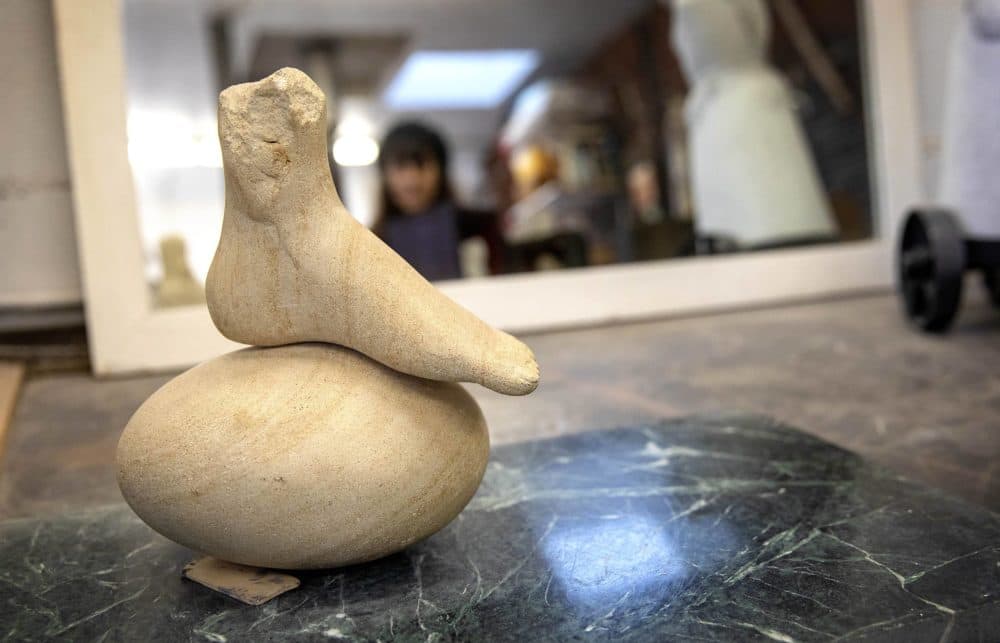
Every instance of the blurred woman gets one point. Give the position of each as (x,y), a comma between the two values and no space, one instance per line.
(420,218)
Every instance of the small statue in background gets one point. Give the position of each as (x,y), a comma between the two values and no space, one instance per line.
(178,286)
(644,193)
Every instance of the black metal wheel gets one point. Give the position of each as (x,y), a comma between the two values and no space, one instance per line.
(931,263)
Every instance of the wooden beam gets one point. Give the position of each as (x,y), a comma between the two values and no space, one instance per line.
(817,61)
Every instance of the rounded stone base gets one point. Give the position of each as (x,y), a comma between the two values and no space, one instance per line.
(301,457)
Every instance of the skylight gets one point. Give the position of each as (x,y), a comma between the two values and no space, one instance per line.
(459,79)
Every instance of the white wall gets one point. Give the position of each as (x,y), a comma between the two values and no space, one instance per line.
(38,259)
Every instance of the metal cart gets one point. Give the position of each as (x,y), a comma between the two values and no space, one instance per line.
(939,244)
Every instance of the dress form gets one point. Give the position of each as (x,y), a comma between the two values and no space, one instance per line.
(754,179)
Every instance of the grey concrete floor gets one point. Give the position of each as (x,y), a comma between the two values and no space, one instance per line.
(849,371)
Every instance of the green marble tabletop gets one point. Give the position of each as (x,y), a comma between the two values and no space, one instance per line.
(718,528)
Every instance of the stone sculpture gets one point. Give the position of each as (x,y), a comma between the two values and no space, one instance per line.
(298,455)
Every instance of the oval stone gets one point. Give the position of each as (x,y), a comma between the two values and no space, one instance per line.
(301,457)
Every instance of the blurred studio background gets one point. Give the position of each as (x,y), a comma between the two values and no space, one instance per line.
(520,137)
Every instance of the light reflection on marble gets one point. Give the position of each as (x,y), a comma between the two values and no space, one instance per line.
(615,556)
(724,528)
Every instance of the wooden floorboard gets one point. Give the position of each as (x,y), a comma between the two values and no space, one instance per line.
(11,376)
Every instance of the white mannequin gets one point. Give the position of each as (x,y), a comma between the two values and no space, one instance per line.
(754,178)
(971,154)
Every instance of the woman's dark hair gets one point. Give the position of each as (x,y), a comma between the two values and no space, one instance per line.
(405,144)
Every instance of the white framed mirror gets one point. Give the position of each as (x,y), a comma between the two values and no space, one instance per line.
(140,76)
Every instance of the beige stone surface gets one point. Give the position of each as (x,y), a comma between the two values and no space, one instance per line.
(304,456)
(294,266)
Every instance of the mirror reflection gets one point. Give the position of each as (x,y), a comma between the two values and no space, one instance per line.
(485,138)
